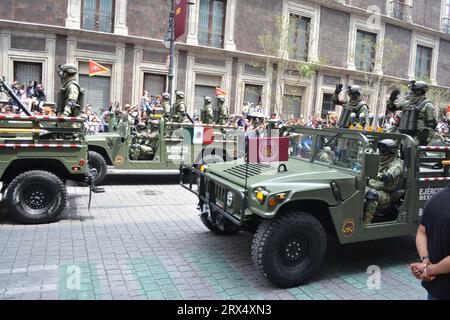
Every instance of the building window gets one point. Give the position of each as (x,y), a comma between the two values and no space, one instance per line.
(211,23)
(98,15)
(299,37)
(423,62)
(253,94)
(400,9)
(291,106)
(24,72)
(327,105)
(155,84)
(97,90)
(365,50)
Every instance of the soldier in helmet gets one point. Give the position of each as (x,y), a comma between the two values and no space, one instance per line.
(222,111)
(207,112)
(165,104)
(179,107)
(418,118)
(70,96)
(380,191)
(355,104)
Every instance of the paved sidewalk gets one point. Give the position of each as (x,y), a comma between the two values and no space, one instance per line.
(146,241)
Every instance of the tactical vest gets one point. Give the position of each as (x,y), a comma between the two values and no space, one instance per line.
(157,113)
(410,117)
(62,96)
(216,114)
(345,118)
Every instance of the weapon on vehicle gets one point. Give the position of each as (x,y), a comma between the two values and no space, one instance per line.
(189,117)
(5,88)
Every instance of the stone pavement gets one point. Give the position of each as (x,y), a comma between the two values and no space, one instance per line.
(143,239)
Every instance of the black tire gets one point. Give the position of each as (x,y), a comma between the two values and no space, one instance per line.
(228,230)
(36,197)
(97,162)
(289,249)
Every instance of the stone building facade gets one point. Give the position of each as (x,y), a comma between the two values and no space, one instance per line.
(220,48)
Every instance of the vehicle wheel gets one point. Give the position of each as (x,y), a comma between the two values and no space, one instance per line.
(289,249)
(97,162)
(36,197)
(229,227)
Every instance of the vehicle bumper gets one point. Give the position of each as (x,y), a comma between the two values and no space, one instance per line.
(212,195)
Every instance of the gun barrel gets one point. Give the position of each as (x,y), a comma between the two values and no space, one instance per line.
(190,118)
(13,96)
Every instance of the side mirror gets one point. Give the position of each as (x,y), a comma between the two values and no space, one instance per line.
(371,165)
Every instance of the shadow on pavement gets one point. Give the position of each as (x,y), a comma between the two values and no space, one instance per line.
(139,179)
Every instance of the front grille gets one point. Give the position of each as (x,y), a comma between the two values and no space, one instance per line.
(254,169)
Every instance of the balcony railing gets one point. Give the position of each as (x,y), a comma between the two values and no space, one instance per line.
(400,10)
(445,25)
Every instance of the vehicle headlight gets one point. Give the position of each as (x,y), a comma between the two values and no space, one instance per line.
(229,198)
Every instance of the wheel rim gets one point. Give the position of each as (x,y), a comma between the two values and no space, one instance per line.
(294,250)
(37,198)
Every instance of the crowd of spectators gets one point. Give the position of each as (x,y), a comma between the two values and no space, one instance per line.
(32,96)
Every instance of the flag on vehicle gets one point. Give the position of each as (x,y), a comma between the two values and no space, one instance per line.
(202,135)
(220,92)
(268,150)
(96,69)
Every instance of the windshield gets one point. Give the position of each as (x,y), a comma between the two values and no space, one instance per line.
(338,151)
(300,146)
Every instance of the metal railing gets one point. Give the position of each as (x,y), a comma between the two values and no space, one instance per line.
(445,25)
(399,10)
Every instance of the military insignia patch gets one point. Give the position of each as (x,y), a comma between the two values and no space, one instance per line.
(119,160)
(348,228)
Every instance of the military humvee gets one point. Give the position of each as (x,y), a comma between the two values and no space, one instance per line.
(37,156)
(292,206)
(178,142)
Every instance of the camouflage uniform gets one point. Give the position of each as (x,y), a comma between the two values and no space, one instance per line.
(325,155)
(379,192)
(207,113)
(354,105)
(70,96)
(426,121)
(222,111)
(165,104)
(179,108)
(148,144)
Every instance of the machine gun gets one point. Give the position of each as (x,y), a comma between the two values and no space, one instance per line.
(5,88)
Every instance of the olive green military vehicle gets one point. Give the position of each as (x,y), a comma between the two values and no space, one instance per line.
(37,156)
(176,143)
(292,206)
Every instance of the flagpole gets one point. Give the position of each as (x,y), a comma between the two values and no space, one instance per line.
(172,48)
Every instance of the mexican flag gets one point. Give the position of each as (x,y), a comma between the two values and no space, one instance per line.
(201,135)
(268,150)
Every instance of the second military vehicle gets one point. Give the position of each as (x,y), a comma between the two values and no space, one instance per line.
(292,206)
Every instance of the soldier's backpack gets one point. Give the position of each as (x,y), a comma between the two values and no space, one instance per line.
(409,118)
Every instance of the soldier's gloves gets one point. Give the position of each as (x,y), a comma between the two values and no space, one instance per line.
(71,104)
(394,95)
(372,194)
(339,87)
(387,178)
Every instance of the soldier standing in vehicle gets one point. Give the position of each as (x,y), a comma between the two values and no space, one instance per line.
(222,111)
(165,104)
(207,112)
(179,108)
(418,118)
(380,191)
(355,105)
(70,96)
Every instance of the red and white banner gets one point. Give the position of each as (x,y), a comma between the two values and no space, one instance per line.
(268,149)
(220,92)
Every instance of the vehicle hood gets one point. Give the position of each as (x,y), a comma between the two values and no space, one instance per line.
(298,171)
(98,137)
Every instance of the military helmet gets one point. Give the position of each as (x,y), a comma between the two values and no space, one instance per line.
(68,68)
(166,95)
(419,85)
(208,99)
(221,98)
(387,146)
(354,89)
(180,94)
